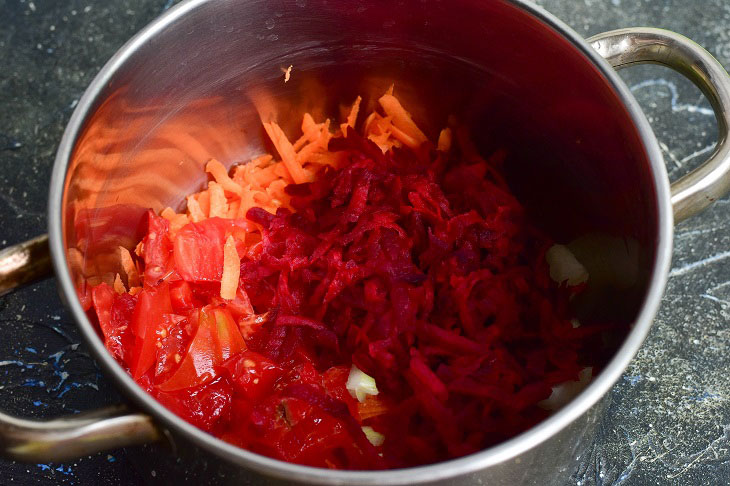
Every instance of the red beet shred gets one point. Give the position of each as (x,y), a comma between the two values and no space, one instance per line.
(419,268)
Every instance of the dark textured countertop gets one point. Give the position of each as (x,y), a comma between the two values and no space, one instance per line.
(669,422)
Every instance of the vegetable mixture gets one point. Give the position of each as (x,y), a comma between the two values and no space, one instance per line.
(370,300)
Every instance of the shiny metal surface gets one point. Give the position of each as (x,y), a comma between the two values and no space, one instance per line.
(73,436)
(66,437)
(24,263)
(196,83)
(626,47)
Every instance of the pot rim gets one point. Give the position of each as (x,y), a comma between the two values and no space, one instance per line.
(494,455)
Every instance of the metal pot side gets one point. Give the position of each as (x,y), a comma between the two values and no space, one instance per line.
(196,82)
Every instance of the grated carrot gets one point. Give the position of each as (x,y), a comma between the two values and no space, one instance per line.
(262,181)
(352,117)
(319,144)
(401,118)
(371,407)
(119,287)
(129,268)
(203,199)
(445,138)
(231,270)
(218,202)
(286,150)
(220,174)
(233,207)
(196,214)
(310,128)
(177,221)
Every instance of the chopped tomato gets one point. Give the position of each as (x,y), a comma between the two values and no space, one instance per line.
(157,249)
(198,248)
(216,340)
(148,320)
(203,406)
(239,307)
(182,297)
(252,374)
(314,437)
(115,316)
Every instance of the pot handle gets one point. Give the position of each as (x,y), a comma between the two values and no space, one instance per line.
(639,45)
(67,437)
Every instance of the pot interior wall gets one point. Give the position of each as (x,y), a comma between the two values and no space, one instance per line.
(200,87)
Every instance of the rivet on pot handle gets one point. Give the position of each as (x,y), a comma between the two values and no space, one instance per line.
(639,45)
(67,437)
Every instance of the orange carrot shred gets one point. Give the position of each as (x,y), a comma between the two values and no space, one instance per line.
(231,270)
(119,287)
(218,203)
(286,151)
(445,138)
(168,213)
(233,207)
(220,174)
(401,118)
(203,199)
(196,214)
(371,407)
(404,138)
(352,117)
(129,268)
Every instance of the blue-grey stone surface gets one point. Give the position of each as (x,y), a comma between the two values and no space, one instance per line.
(669,422)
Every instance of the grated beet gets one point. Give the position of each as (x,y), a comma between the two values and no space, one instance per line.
(418,267)
(424,273)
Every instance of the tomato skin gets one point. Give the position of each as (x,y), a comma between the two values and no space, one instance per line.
(216,339)
(237,430)
(229,341)
(171,348)
(198,248)
(115,318)
(148,320)
(181,296)
(203,406)
(252,374)
(313,434)
(157,249)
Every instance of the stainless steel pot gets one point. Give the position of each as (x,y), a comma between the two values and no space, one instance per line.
(195,83)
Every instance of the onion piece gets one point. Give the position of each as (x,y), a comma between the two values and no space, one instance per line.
(360,385)
(565,267)
(375,438)
(565,392)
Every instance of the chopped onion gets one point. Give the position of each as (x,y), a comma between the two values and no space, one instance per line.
(565,267)
(565,392)
(360,385)
(375,438)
